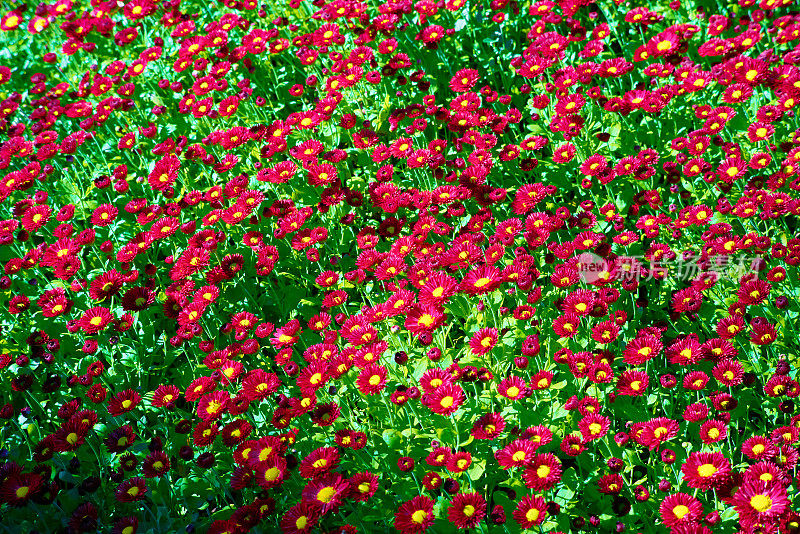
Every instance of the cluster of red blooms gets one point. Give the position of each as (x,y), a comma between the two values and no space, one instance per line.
(336,266)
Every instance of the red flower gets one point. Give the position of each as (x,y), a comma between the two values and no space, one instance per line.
(213,405)
(363,486)
(54,302)
(414,516)
(131,490)
(611,484)
(300,518)
(120,439)
(483,279)
(71,435)
(438,457)
(271,472)
(513,387)
(319,462)
(199,386)
(438,288)
(18,488)
(372,379)
(123,402)
(654,432)
(713,431)
(594,426)
(518,453)
(488,426)
(758,448)
(445,399)
(314,376)
(466,510)
(483,341)
(95,319)
(542,472)
(594,165)
(566,325)
(327,492)
(463,80)
(680,509)
(164,173)
(763,332)
(259,384)
(729,373)
(424,319)
(104,215)
(530,511)
(35,217)
(760,501)
(538,435)
(705,470)
(632,383)
(541,380)
(156,464)
(459,462)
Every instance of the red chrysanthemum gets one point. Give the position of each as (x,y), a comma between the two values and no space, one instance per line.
(483,341)
(680,509)
(131,490)
(122,402)
(463,80)
(372,379)
(760,501)
(466,510)
(414,516)
(542,472)
(488,426)
(530,511)
(445,399)
(327,491)
(705,470)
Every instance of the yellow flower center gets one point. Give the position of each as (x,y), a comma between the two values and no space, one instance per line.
(326,494)
(680,511)
(706,470)
(543,471)
(426,320)
(761,503)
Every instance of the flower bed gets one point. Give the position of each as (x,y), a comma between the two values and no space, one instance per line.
(408,266)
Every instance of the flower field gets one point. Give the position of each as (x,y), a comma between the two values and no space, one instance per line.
(414,266)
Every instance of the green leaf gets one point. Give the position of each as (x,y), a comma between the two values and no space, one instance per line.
(393,438)
(476,471)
